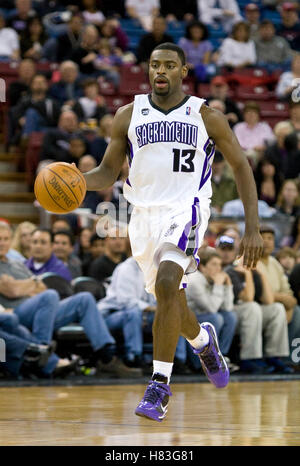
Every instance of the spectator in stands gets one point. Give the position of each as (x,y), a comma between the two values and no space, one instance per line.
(210,296)
(105,127)
(91,13)
(69,41)
(233,232)
(21,87)
(226,12)
(224,187)
(63,248)
(279,282)
(284,151)
(112,31)
(42,258)
(179,11)
(108,62)
(237,51)
(290,26)
(295,117)
(87,52)
(21,241)
(197,49)
(61,224)
(268,180)
(144,12)
(35,43)
(252,133)
(289,80)
(123,305)
(82,248)
(288,198)
(68,88)
(22,356)
(258,315)
(293,240)
(151,40)
(273,52)
(9,42)
(287,258)
(23,14)
(103,267)
(219,90)
(56,143)
(252,16)
(217,104)
(77,149)
(97,246)
(40,310)
(87,163)
(36,111)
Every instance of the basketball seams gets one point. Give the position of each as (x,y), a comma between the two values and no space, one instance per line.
(78,172)
(52,196)
(52,171)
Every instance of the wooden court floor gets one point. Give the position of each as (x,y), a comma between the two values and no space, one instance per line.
(247,413)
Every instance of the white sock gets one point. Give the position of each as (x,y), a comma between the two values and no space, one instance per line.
(201,340)
(163,368)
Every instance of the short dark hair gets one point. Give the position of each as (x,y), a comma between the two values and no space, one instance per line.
(174,48)
(95,237)
(267,229)
(266,22)
(67,233)
(44,230)
(207,254)
(200,26)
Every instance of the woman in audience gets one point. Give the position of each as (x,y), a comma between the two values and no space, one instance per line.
(237,51)
(87,52)
(288,198)
(34,41)
(197,49)
(284,151)
(252,133)
(21,241)
(91,13)
(268,181)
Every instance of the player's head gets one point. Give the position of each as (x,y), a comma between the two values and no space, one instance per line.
(167,69)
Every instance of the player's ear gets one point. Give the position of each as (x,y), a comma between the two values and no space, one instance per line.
(184,71)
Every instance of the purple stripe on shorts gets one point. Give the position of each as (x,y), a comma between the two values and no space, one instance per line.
(182,243)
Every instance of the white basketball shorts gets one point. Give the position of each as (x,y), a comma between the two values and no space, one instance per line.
(167,233)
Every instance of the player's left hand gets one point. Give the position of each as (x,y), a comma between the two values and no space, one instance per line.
(251,248)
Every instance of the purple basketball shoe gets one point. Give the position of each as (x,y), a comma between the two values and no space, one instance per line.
(212,360)
(154,404)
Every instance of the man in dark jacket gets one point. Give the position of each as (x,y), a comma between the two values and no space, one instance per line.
(149,41)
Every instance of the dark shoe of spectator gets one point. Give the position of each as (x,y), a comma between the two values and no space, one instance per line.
(256,366)
(37,354)
(135,362)
(280,366)
(116,368)
(231,366)
(180,368)
(65,366)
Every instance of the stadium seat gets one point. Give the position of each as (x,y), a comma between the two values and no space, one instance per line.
(32,156)
(106,88)
(114,102)
(8,69)
(274,109)
(89,284)
(253,93)
(58,283)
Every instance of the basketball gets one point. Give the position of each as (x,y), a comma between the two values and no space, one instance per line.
(60,187)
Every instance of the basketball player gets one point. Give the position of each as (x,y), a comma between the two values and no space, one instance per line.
(170,139)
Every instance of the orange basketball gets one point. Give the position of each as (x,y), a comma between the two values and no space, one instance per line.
(60,187)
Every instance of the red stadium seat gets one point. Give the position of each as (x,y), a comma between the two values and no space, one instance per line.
(274,120)
(8,69)
(274,109)
(32,155)
(113,102)
(106,88)
(253,93)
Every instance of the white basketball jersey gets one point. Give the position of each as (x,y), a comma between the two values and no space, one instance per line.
(170,154)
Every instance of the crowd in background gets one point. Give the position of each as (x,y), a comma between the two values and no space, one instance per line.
(68,274)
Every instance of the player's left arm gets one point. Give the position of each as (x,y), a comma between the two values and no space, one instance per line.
(219,130)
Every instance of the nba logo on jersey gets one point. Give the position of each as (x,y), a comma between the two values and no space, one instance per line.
(188,110)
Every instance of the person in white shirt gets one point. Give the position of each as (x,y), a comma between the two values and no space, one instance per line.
(238,50)
(290,80)
(143,10)
(9,42)
(226,12)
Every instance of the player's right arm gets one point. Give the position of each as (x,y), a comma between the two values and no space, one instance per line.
(109,169)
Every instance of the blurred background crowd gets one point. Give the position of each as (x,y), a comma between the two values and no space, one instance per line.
(73,301)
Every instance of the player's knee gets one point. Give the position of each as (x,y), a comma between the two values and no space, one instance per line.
(165,288)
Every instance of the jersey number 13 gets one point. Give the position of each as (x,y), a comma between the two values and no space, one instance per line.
(183,160)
